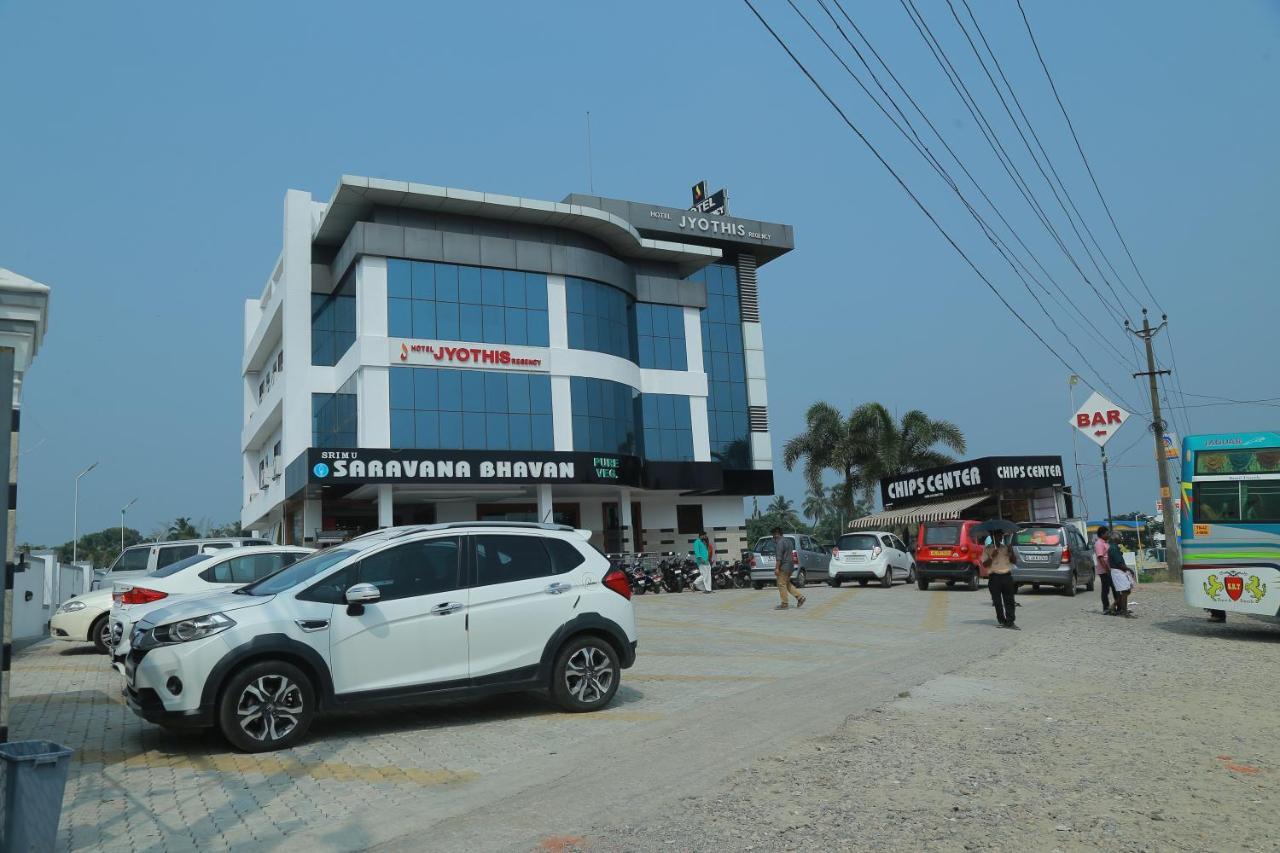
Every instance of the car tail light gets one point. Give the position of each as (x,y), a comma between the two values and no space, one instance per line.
(617,581)
(1066,555)
(141,595)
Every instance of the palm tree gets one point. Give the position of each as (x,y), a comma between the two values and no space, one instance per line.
(736,454)
(182,528)
(781,505)
(817,505)
(867,446)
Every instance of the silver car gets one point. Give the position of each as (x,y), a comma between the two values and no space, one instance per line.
(1052,554)
(810,560)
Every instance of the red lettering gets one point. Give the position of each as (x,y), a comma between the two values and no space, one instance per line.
(475,355)
(461,354)
(1082,420)
(489,356)
(1113,416)
(443,353)
(1098,419)
(504,357)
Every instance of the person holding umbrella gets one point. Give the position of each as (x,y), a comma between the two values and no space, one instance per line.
(998,560)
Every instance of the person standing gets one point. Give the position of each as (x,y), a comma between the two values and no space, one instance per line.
(702,556)
(1102,565)
(998,560)
(783,552)
(1122,581)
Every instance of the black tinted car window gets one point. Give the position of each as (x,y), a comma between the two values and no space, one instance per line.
(425,567)
(246,568)
(174,568)
(564,557)
(173,554)
(504,559)
(133,560)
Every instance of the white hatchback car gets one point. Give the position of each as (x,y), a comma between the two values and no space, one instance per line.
(873,555)
(220,571)
(84,619)
(400,614)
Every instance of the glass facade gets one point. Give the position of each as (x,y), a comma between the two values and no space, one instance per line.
(660,337)
(333,322)
(668,427)
(333,420)
(604,416)
(601,318)
(725,366)
(439,408)
(462,303)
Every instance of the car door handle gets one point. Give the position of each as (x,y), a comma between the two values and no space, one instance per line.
(557,588)
(446,608)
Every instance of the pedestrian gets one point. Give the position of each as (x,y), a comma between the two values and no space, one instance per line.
(1102,565)
(782,552)
(702,556)
(998,559)
(1122,580)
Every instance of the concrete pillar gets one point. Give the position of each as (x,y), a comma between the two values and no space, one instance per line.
(545,512)
(628,534)
(385,507)
(312,519)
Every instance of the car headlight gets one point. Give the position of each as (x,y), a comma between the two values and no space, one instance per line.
(72,606)
(186,630)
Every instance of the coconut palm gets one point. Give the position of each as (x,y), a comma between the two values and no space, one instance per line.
(817,505)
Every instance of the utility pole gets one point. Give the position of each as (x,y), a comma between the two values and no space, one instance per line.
(1173,553)
(1106,488)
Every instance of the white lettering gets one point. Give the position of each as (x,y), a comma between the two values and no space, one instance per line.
(393,470)
(444,469)
(339,468)
(504,470)
(357,468)
(520,471)
(566,470)
(375,468)
(463,470)
(486,469)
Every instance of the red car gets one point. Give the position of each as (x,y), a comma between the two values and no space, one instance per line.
(949,551)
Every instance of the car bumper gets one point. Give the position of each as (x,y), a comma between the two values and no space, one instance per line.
(72,627)
(1042,574)
(857,571)
(768,575)
(944,571)
(147,676)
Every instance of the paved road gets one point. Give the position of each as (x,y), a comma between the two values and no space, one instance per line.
(720,681)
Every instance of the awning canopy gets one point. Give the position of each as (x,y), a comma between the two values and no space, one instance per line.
(909,515)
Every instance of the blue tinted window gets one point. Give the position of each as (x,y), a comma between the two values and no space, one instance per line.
(333,420)
(601,318)
(722,359)
(470,409)
(668,427)
(450,302)
(605,416)
(333,322)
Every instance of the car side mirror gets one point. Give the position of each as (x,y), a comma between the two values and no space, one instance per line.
(360,595)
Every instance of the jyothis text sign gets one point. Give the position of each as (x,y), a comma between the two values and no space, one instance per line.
(482,356)
(1099,418)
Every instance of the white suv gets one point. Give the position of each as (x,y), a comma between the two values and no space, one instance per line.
(400,614)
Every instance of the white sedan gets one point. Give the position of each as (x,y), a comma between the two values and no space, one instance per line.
(220,571)
(84,619)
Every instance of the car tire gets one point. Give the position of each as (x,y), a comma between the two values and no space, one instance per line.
(911,574)
(1089,586)
(887,580)
(922,583)
(973,580)
(1070,589)
(800,579)
(250,728)
(100,634)
(757,584)
(586,674)
(834,583)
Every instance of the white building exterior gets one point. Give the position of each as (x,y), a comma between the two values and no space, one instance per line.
(425,354)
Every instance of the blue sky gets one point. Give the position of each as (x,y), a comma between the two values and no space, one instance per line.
(148,147)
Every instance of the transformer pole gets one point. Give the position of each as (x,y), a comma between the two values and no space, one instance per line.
(1173,552)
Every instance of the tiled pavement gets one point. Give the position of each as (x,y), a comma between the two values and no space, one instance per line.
(135,787)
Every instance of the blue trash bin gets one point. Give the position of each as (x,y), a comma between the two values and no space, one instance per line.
(35,775)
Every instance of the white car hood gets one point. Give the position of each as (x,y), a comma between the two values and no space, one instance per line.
(191,606)
(100,598)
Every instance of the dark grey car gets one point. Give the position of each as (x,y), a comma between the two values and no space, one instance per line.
(1052,554)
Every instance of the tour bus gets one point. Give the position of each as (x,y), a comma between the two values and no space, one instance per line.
(1231,524)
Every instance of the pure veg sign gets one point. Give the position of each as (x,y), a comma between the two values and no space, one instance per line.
(1099,418)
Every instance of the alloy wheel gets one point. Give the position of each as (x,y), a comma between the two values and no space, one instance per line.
(588,674)
(269,708)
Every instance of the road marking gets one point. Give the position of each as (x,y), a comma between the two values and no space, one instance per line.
(935,617)
(273,766)
(838,598)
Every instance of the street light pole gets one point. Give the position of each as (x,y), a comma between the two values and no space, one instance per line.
(1072,381)
(75,515)
(123,510)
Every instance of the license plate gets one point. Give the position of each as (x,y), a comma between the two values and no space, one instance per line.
(1036,558)
(939,553)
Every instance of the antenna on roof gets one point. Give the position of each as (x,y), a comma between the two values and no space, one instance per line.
(591,184)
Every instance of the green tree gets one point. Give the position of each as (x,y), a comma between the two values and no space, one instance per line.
(231,529)
(101,548)
(181,528)
(817,505)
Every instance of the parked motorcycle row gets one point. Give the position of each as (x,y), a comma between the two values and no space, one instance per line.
(674,573)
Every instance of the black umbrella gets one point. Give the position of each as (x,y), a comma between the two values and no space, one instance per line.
(996,525)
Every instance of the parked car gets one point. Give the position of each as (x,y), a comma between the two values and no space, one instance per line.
(405,613)
(221,571)
(808,559)
(137,560)
(84,619)
(1052,554)
(949,551)
(870,555)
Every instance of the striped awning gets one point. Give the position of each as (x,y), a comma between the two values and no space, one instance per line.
(939,511)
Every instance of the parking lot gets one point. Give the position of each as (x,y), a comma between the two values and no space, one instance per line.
(720,681)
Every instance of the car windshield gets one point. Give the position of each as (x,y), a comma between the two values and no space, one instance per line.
(174,568)
(1038,536)
(942,534)
(765,546)
(299,572)
(857,542)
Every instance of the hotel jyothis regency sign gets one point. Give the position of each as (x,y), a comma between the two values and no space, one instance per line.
(1099,418)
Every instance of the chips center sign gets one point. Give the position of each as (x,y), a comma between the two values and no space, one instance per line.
(1099,418)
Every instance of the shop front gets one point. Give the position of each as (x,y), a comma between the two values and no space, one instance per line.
(1015,488)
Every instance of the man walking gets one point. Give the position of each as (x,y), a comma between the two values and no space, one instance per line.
(702,557)
(1102,565)
(783,554)
(998,560)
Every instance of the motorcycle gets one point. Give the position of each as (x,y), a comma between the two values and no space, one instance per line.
(722,575)
(672,576)
(740,574)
